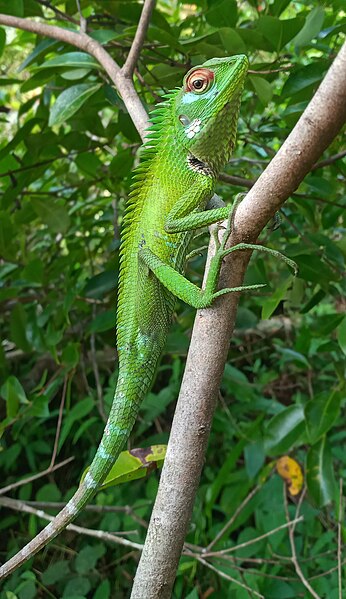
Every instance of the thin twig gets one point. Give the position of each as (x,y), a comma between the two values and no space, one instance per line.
(20,506)
(136,47)
(241,181)
(232,519)
(270,71)
(252,541)
(99,509)
(58,426)
(227,577)
(82,21)
(64,16)
(29,479)
(294,558)
(276,577)
(329,160)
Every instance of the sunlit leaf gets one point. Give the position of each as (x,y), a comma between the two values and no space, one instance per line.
(134,464)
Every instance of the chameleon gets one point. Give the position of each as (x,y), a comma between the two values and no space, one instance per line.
(190,137)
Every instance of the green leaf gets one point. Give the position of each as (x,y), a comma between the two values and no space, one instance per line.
(284,430)
(89,164)
(14,394)
(88,557)
(302,78)
(270,304)
(6,234)
(70,101)
(221,11)
(279,32)
(56,572)
(262,88)
(18,324)
(312,27)
(231,40)
(70,355)
(71,59)
(102,322)
(76,414)
(100,284)
(2,40)
(121,164)
(103,591)
(321,412)
(53,213)
(134,464)
(290,355)
(320,474)
(311,268)
(14,7)
(41,49)
(341,335)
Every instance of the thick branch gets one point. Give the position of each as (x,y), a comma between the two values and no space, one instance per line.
(82,41)
(171,515)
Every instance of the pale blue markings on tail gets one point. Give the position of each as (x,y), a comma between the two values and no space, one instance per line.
(90,482)
(114,429)
(104,454)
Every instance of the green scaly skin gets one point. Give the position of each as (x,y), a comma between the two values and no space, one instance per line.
(191,137)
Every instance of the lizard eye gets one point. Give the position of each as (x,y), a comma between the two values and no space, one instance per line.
(184,119)
(198,81)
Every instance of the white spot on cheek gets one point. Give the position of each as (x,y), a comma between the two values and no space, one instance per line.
(193,128)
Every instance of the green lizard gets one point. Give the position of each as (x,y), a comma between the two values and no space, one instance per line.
(191,137)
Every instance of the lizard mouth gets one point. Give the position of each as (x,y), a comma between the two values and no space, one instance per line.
(199,166)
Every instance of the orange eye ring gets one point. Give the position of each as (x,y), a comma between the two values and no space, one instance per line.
(198,81)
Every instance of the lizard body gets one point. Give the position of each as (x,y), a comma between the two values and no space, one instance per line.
(191,136)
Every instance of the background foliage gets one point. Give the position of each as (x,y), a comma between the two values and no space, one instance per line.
(67,147)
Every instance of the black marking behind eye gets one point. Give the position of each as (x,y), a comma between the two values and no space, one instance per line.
(200,167)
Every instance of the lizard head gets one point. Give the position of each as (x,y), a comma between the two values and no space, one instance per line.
(207,107)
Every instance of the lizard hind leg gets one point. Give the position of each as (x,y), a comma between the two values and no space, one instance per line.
(182,288)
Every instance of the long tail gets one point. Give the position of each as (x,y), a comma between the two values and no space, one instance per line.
(128,396)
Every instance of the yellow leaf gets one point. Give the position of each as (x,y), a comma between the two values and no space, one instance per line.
(292,474)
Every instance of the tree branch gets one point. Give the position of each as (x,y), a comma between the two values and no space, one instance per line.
(294,558)
(84,42)
(20,506)
(29,479)
(315,130)
(133,55)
